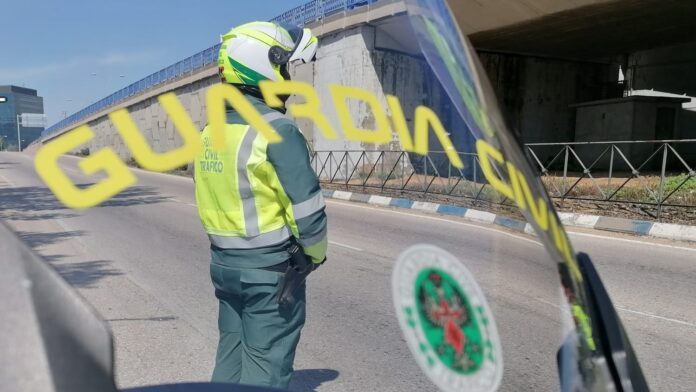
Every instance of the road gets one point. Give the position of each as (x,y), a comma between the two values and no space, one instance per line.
(141,260)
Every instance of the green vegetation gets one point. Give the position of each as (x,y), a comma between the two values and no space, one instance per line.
(644,189)
(672,182)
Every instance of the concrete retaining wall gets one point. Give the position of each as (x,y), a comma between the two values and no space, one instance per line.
(536,93)
(153,121)
(349,58)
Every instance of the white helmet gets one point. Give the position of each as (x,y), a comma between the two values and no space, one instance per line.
(259,51)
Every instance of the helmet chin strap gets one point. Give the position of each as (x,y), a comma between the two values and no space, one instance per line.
(285,72)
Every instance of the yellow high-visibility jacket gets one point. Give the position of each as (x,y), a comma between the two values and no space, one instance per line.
(253,196)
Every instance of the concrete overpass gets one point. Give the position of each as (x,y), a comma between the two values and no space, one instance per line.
(575,29)
(542,56)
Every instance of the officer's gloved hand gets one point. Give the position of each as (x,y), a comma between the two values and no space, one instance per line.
(316,264)
(300,266)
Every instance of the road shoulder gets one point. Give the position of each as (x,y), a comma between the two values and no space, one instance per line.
(579,223)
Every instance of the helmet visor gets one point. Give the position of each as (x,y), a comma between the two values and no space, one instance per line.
(301,43)
(289,35)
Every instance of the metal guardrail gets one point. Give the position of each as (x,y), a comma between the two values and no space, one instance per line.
(45,321)
(318,9)
(651,172)
(174,71)
(402,172)
(309,12)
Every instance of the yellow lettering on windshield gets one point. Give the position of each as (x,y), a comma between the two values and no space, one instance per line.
(380,135)
(425,119)
(544,219)
(310,109)
(140,148)
(217,98)
(537,208)
(486,152)
(46,165)
(399,123)
(560,240)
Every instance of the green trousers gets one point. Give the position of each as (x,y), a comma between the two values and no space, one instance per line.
(257,337)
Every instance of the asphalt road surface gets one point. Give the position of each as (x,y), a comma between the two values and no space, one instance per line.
(141,259)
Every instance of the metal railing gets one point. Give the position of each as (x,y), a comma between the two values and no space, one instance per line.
(653,172)
(318,9)
(175,71)
(400,172)
(650,172)
(298,16)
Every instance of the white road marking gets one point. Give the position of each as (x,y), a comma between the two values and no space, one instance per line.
(353,205)
(174,199)
(543,301)
(345,246)
(626,310)
(7,181)
(645,314)
(631,241)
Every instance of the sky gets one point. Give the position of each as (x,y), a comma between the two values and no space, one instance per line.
(56,46)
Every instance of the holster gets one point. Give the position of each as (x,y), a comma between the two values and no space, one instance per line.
(299,267)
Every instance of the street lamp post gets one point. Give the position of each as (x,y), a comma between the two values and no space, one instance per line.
(19,137)
(65,112)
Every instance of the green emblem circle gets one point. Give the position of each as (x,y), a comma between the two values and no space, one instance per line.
(446,320)
(449,322)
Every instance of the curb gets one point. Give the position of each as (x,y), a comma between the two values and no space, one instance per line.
(627,226)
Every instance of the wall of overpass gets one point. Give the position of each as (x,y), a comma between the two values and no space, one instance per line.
(536,76)
(362,56)
(149,116)
(344,57)
(351,53)
(536,93)
(669,70)
(363,48)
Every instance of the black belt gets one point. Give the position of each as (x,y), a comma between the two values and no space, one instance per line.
(282,267)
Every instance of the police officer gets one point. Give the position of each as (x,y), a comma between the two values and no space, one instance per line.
(255,200)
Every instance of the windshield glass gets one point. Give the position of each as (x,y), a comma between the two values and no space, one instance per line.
(421,61)
(518,278)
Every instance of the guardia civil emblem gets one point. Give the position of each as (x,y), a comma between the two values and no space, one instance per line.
(446,320)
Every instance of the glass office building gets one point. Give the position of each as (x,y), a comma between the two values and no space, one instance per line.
(13,102)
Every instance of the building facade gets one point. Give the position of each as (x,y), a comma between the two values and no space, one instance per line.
(13,102)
